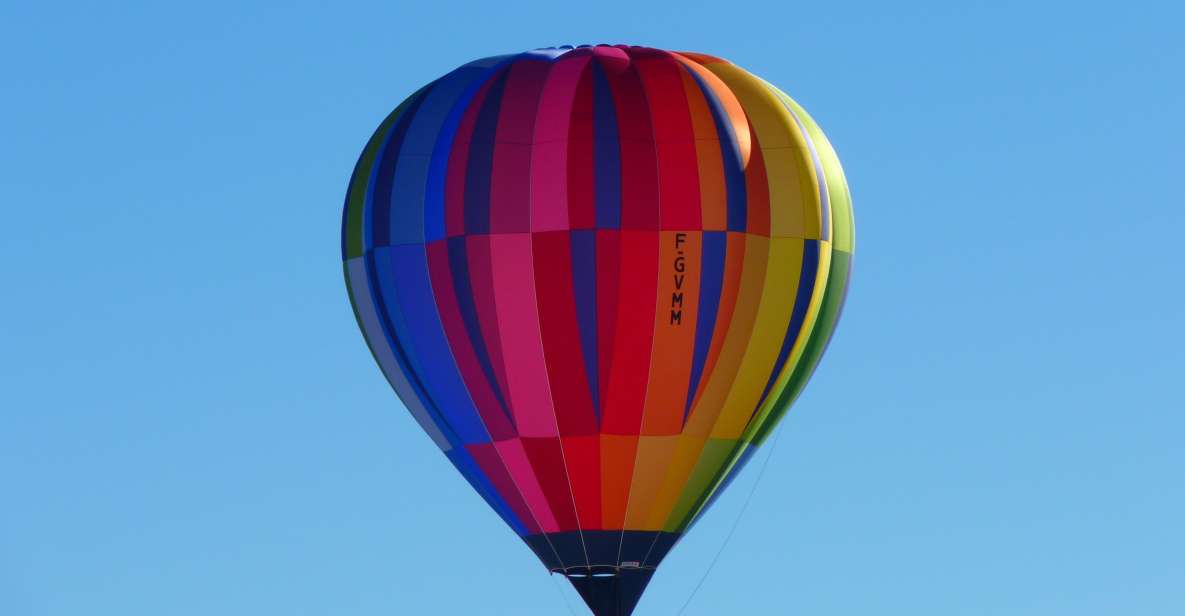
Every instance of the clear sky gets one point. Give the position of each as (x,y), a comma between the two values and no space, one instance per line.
(190,423)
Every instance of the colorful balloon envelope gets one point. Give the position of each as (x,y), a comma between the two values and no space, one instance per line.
(598,277)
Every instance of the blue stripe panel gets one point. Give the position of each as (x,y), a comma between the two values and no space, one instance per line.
(480,166)
(802,301)
(438,167)
(715,243)
(388,316)
(408,198)
(606,153)
(730,151)
(584,286)
(458,259)
(393,367)
(377,223)
(407,291)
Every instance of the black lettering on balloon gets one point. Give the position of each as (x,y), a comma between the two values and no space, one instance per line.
(680,266)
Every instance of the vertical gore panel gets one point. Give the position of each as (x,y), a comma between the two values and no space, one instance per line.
(802,299)
(561,333)
(471,358)
(581,155)
(639,159)
(654,455)
(387,356)
(518,465)
(678,167)
(518,327)
(458,161)
(479,167)
(607,155)
(608,273)
(353,215)
(510,180)
(617,468)
(773,315)
(475,266)
(547,459)
(757,193)
(829,313)
(584,290)
(734,263)
(485,457)
(711,284)
(675,318)
(714,456)
(736,341)
(677,470)
(407,289)
(583,457)
(549,155)
(632,343)
(713,193)
(409,194)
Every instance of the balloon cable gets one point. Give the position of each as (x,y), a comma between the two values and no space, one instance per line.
(735,523)
(564,596)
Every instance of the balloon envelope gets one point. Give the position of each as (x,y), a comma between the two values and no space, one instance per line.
(598,277)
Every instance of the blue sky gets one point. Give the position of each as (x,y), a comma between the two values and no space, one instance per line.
(190,422)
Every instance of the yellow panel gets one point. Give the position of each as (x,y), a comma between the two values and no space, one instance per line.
(687,453)
(808,324)
(777,304)
(650,466)
(844,231)
(794,189)
(794,203)
(711,401)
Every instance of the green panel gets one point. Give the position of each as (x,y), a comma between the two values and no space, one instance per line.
(360,180)
(714,457)
(820,336)
(690,506)
(843,223)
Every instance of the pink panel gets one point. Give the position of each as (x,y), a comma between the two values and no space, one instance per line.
(518,326)
(549,160)
(515,458)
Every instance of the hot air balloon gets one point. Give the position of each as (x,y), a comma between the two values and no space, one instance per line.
(597,277)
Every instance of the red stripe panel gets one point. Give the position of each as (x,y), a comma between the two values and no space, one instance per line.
(678,168)
(583,455)
(561,336)
(547,460)
(549,157)
(510,178)
(481,280)
(581,163)
(634,332)
(639,159)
